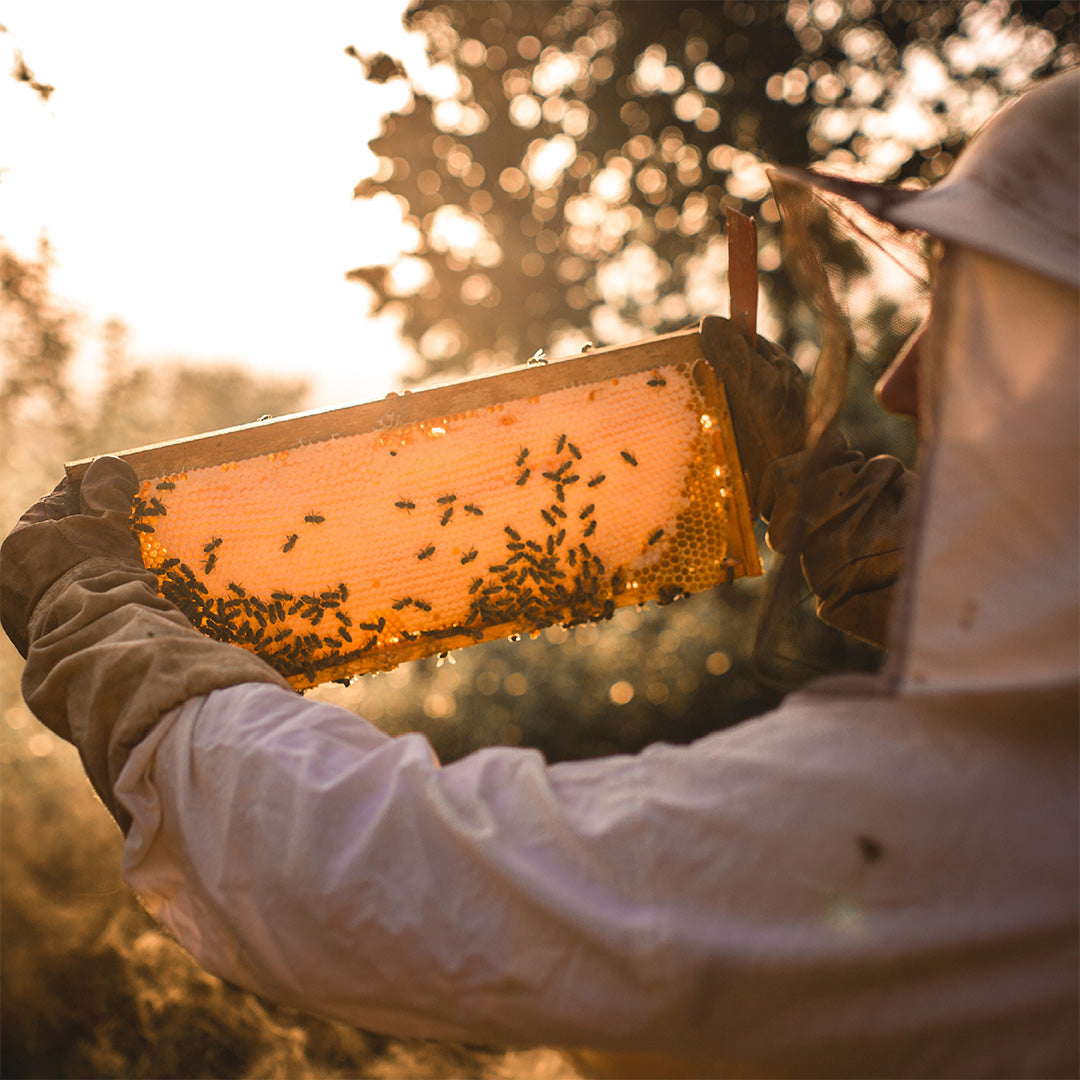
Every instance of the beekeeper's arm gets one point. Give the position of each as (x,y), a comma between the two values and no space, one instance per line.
(853,511)
(106,656)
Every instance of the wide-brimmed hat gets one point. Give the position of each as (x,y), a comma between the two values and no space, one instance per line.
(1014,192)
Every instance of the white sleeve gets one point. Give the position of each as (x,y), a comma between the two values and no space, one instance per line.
(296,850)
(760,896)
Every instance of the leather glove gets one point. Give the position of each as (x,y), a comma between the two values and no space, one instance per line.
(74,522)
(846,518)
(766,393)
(106,655)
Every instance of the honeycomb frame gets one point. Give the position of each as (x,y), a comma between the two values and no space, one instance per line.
(568,500)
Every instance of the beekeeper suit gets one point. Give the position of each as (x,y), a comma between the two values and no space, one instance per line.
(877,878)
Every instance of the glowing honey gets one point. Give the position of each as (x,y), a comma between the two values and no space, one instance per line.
(427,532)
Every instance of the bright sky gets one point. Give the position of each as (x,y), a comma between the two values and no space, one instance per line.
(194,172)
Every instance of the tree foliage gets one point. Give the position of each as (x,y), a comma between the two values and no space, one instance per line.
(561,169)
(36,337)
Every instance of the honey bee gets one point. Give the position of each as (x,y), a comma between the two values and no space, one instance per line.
(405,504)
(314,519)
(290,541)
(426,553)
(628,457)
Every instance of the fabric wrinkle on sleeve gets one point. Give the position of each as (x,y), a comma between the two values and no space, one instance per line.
(715,900)
(496,898)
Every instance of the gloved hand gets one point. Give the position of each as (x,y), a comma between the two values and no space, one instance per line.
(844,517)
(847,518)
(106,655)
(74,522)
(766,393)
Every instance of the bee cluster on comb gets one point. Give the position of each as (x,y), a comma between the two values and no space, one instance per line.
(345,541)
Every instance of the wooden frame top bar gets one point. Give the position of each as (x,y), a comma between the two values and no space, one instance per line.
(398,410)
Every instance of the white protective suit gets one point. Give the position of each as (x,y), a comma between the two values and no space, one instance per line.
(878,878)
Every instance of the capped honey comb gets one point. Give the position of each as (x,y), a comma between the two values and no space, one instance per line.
(343,541)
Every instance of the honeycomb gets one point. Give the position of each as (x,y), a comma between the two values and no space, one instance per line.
(354,553)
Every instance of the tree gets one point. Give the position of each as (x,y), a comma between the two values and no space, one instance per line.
(36,339)
(563,168)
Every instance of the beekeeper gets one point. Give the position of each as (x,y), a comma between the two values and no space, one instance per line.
(879,877)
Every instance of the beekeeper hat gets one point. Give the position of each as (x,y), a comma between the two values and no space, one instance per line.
(1014,192)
